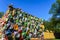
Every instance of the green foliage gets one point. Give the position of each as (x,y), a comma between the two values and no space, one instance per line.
(54,23)
(48,25)
(1,14)
(55,20)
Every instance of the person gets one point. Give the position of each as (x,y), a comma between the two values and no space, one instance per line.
(1,28)
(42,36)
(5,38)
(10,7)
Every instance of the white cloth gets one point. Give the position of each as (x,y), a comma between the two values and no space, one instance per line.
(20,15)
(15,33)
(27,28)
(30,35)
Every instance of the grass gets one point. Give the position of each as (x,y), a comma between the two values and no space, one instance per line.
(52,39)
(56,39)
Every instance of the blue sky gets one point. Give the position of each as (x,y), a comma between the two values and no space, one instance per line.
(38,8)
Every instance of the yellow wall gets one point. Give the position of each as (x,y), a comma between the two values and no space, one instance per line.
(49,35)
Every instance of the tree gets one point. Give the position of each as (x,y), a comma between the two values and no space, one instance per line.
(48,25)
(1,14)
(55,11)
